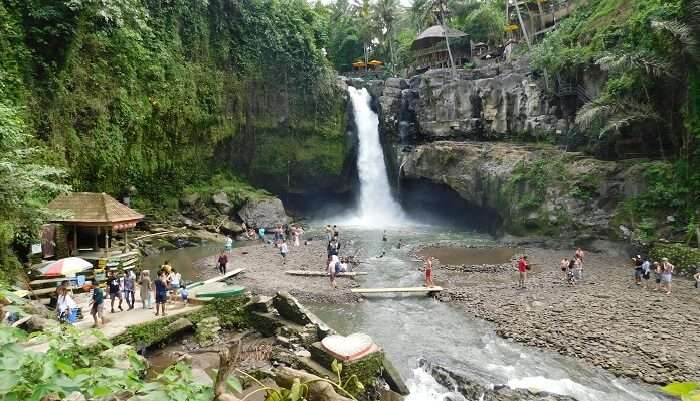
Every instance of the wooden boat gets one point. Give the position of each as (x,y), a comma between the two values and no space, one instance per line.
(226,292)
(214,279)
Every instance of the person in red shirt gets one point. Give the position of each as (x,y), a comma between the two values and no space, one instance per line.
(523,267)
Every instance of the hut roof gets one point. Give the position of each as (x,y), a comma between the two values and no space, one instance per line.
(433,35)
(90,208)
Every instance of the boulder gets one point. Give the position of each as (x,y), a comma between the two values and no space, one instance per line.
(221,201)
(264,212)
(189,199)
(38,323)
(120,357)
(229,227)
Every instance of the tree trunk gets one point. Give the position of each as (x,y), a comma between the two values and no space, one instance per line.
(447,42)
(541,11)
(228,358)
(319,390)
(522,25)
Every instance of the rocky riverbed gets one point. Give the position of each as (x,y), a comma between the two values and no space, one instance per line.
(606,320)
(265,272)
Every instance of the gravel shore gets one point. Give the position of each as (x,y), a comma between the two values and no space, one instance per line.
(607,320)
(265,273)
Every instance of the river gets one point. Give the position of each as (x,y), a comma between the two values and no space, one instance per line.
(414,327)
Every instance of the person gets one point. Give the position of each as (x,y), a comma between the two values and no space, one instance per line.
(523,267)
(666,274)
(261,234)
(174,283)
(697,279)
(570,276)
(646,272)
(564,265)
(400,244)
(579,255)
(333,263)
(638,269)
(335,231)
(66,308)
(657,275)
(228,244)
(578,269)
(284,249)
(329,233)
(184,294)
(161,290)
(221,263)
(298,232)
(384,239)
(146,288)
(97,304)
(429,272)
(129,286)
(333,247)
(115,290)
(166,267)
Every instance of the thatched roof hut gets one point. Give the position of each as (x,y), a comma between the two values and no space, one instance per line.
(433,35)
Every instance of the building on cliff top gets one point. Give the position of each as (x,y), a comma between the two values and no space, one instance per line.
(430,48)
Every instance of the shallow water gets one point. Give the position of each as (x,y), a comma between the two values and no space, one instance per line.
(470,256)
(414,327)
(183,260)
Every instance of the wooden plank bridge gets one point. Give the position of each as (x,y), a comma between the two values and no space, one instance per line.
(399,290)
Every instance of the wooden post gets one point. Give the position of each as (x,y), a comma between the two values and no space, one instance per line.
(107,247)
(74,251)
(126,239)
(97,239)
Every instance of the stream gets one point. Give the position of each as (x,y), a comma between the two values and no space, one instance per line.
(414,327)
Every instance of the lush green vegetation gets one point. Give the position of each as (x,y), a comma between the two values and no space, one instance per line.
(105,95)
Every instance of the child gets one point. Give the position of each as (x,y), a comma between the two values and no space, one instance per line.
(184,294)
(429,273)
(284,249)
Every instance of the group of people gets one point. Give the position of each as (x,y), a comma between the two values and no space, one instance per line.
(167,286)
(334,263)
(572,269)
(663,273)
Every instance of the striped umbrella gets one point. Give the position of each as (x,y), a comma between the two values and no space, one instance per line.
(65,267)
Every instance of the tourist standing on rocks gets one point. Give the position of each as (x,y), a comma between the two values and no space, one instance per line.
(579,255)
(221,263)
(335,231)
(66,307)
(174,284)
(166,267)
(523,267)
(97,304)
(261,234)
(333,247)
(638,262)
(228,244)
(564,265)
(146,288)
(129,287)
(578,269)
(646,272)
(666,274)
(657,275)
(284,249)
(114,289)
(329,233)
(333,268)
(161,293)
(429,272)
(570,273)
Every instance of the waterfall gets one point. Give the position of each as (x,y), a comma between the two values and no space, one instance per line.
(377,207)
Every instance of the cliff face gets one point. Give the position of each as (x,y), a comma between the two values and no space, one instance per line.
(533,190)
(491,103)
(461,132)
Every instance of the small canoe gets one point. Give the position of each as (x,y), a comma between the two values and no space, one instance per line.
(227,292)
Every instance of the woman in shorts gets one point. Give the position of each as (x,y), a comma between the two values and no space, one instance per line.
(161,290)
(429,272)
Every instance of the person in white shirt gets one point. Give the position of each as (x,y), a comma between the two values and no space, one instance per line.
(65,306)
(284,250)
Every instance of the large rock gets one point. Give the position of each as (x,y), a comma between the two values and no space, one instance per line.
(264,212)
(221,201)
(532,189)
(472,389)
(124,357)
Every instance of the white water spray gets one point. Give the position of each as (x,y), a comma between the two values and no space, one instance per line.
(377,207)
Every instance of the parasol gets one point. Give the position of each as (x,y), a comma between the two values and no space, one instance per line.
(65,267)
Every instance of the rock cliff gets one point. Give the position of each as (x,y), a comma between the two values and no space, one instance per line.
(536,189)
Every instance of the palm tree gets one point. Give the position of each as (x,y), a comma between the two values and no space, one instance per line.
(387,11)
(439,6)
(421,14)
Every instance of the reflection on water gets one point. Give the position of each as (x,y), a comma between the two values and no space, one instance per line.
(412,327)
(470,256)
(183,260)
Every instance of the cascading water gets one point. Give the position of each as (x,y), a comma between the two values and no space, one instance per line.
(377,207)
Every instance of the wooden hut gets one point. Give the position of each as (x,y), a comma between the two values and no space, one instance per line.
(430,48)
(90,219)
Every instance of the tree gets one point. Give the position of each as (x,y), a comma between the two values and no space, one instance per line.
(386,11)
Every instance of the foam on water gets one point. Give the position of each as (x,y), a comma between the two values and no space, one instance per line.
(423,387)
